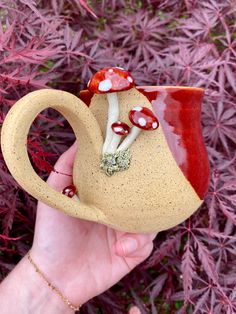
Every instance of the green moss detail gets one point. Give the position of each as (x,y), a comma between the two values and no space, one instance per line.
(115,162)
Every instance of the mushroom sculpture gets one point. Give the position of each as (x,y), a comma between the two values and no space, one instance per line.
(69,191)
(142,118)
(109,81)
(112,160)
(120,129)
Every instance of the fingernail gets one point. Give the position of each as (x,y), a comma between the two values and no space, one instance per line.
(129,245)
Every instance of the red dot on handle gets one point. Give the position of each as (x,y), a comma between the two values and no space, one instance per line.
(69,190)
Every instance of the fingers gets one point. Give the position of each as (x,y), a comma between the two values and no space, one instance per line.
(62,176)
(131,242)
(153,235)
(134,310)
(141,254)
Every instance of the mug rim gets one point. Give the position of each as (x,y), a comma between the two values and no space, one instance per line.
(171,87)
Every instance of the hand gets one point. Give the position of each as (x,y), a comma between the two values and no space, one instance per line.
(80,257)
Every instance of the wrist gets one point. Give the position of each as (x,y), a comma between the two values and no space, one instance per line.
(49,295)
(23,291)
(58,271)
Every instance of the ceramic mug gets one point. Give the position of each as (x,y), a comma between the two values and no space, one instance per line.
(169,171)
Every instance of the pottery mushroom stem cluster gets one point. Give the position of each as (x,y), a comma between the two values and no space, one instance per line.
(118,157)
(109,81)
(115,156)
(142,118)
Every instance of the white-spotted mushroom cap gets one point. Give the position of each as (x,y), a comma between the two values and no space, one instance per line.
(110,80)
(143,118)
(69,190)
(120,128)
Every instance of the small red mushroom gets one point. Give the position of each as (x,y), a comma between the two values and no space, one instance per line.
(69,190)
(120,129)
(142,118)
(109,81)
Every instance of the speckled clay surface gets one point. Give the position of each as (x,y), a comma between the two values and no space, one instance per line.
(152,195)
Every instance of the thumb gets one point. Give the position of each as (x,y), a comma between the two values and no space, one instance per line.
(63,169)
(134,310)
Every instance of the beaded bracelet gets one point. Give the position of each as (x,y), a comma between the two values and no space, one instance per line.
(56,290)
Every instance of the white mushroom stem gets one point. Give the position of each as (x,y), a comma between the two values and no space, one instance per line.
(112,116)
(114,143)
(130,138)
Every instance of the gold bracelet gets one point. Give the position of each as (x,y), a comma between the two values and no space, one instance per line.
(56,290)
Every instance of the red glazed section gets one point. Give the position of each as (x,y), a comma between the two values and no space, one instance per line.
(86,96)
(178,110)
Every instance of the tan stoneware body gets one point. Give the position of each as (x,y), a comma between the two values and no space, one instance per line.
(152,195)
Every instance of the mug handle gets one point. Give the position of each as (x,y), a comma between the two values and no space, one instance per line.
(14,146)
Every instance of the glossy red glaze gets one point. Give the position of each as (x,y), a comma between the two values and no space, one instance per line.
(120,128)
(178,110)
(143,118)
(110,80)
(86,96)
(69,190)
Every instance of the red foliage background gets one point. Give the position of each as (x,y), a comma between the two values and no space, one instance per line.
(60,44)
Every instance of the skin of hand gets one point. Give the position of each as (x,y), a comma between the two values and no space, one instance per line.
(134,310)
(80,257)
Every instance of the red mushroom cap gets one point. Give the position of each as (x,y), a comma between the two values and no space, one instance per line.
(110,80)
(69,190)
(143,118)
(120,128)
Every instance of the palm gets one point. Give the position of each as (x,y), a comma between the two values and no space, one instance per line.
(83,256)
